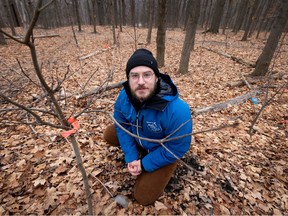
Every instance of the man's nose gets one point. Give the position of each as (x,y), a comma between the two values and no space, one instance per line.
(141,80)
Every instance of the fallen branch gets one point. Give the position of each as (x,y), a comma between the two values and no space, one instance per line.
(223,105)
(100,89)
(234,58)
(253,80)
(94,53)
(35,36)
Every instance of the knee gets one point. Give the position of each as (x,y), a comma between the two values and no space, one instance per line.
(110,135)
(145,199)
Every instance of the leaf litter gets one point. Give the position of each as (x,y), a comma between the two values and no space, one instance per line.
(238,173)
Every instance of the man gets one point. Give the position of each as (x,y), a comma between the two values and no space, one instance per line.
(149,107)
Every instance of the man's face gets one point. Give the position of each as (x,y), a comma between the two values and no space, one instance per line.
(142,82)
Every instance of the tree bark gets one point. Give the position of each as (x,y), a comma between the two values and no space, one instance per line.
(264,60)
(227,17)
(218,13)
(161,32)
(223,105)
(150,20)
(240,15)
(188,46)
(76,9)
(11,24)
(250,20)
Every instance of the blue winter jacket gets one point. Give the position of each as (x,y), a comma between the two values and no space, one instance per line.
(159,117)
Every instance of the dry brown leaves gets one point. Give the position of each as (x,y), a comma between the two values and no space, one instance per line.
(242,174)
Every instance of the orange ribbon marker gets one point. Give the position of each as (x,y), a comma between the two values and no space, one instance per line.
(72,121)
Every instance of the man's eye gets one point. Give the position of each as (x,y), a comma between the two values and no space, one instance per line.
(147,75)
(134,76)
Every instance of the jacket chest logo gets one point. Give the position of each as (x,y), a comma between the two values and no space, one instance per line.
(152,126)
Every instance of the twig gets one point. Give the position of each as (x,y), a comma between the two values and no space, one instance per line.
(246,82)
(25,73)
(31,127)
(265,103)
(102,184)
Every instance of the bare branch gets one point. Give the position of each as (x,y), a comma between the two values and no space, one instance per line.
(45,6)
(266,103)
(25,73)
(33,109)
(33,22)
(12,37)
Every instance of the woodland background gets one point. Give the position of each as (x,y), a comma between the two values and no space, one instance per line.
(82,48)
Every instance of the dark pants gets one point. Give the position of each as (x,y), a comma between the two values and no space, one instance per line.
(149,185)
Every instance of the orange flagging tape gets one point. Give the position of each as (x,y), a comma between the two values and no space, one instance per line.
(75,125)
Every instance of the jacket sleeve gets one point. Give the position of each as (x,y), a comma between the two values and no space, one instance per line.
(127,142)
(176,117)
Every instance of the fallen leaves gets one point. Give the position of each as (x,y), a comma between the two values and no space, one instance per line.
(240,174)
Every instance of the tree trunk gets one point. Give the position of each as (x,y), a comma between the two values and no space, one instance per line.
(264,60)
(188,46)
(58,17)
(161,32)
(76,9)
(123,9)
(10,19)
(115,16)
(250,20)
(120,15)
(227,17)
(112,12)
(242,7)
(94,16)
(218,13)
(150,21)
(263,17)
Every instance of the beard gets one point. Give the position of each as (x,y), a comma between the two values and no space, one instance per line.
(143,99)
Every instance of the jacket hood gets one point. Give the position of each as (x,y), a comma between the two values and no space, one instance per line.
(166,91)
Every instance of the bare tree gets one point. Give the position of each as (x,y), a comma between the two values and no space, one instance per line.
(94,15)
(151,6)
(218,13)
(264,60)
(227,16)
(77,14)
(188,46)
(2,39)
(241,11)
(56,112)
(113,18)
(161,32)
(10,18)
(250,20)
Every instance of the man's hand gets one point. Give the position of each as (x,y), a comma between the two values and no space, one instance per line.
(134,167)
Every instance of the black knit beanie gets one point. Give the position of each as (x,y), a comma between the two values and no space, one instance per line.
(142,57)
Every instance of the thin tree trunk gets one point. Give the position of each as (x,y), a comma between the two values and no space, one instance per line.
(227,17)
(250,20)
(242,7)
(76,9)
(11,24)
(188,46)
(94,16)
(161,32)
(218,13)
(150,20)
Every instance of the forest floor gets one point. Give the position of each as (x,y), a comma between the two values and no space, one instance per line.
(239,173)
